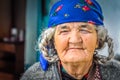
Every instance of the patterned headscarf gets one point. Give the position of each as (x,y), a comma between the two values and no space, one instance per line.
(65,11)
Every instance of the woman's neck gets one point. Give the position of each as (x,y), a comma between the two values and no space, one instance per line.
(77,70)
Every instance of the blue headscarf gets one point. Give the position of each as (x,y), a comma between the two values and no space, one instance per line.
(65,11)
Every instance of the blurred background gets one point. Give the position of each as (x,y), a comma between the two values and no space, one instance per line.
(21,23)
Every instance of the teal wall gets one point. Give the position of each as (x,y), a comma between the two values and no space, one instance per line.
(31,30)
(35,22)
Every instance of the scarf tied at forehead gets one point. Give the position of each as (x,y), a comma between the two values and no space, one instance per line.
(65,11)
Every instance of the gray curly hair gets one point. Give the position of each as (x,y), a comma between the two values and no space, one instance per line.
(46,46)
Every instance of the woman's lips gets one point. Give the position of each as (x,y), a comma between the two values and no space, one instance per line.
(76,48)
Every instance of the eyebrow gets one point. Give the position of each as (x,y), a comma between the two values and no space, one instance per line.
(63,27)
(85,26)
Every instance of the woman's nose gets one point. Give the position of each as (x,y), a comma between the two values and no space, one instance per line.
(75,37)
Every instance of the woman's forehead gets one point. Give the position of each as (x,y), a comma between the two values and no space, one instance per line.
(75,24)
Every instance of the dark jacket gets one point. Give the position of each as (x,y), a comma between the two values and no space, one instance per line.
(108,71)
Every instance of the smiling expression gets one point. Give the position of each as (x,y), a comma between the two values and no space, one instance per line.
(75,42)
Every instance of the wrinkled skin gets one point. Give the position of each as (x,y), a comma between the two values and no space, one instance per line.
(75,44)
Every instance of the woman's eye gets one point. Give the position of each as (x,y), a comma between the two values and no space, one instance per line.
(85,31)
(64,31)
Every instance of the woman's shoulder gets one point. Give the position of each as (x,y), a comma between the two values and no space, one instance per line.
(110,70)
(32,72)
(35,72)
(111,64)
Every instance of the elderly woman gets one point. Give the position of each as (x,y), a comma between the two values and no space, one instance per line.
(69,46)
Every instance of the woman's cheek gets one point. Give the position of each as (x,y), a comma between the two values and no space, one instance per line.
(90,43)
(61,43)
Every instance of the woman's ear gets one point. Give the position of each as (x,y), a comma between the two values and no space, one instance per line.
(97,44)
(54,43)
(54,39)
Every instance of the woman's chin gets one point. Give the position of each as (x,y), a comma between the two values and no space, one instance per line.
(74,58)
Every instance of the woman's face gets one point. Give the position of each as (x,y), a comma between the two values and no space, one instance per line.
(75,41)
